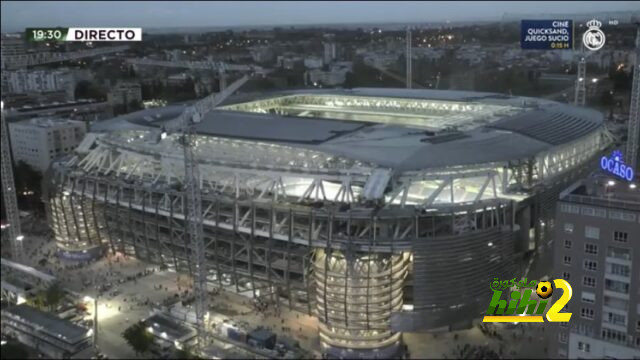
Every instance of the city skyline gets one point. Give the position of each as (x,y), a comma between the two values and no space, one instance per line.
(18,15)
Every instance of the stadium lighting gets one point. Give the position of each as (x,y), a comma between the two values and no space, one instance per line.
(594,80)
(611,182)
(632,186)
(20,237)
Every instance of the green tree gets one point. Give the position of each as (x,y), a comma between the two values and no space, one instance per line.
(28,180)
(14,350)
(54,294)
(138,337)
(88,90)
(185,353)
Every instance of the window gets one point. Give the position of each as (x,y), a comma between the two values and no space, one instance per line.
(617,269)
(562,337)
(616,303)
(591,249)
(617,286)
(618,253)
(590,265)
(588,211)
(638,325)
(616,319)
(586,347)
(592,232)
(567,244)
(589,281)
(585,329)
(568,228)
(566,275)
(614,335)
(588,297)
(587,313)
(620,236)
(567,260)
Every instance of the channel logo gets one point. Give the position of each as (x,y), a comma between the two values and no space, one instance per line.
(522,308)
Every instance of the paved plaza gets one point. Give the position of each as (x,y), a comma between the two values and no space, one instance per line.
(128,301)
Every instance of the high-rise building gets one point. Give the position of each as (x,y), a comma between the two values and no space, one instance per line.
(329,52)
(38,141)
(27,81)
(597,251)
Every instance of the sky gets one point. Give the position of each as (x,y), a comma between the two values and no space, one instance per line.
(17,15)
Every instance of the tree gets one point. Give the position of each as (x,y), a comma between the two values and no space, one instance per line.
(88,90)
(28,181)
(185,353)
(14,350)
(138,337)
(54,294)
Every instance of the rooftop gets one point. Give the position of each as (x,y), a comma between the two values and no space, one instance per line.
(47,122)
(172,329)
(401,129)
(60,328)
(603,190)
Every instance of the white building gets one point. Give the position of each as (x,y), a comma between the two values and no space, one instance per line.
(335,76)
(26,81)
(38,141)
(330,53)
(312,62)
(288,61)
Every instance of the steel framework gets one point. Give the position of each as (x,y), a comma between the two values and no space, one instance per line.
(409,80)
(581,92)
(9,193)
(633,143)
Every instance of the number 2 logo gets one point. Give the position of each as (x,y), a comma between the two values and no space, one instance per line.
(553,315)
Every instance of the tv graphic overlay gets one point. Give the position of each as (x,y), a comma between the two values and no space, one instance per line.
(546,34)
(521,307)
(61,34)
(593,39)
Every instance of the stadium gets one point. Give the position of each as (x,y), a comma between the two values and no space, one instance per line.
(376,210)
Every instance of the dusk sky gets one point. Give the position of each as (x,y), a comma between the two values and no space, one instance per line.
(17,15)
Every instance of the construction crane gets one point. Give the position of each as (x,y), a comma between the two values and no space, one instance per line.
(193,203)
(408,56)
(631,156)
(9,193)
(14,62)
(219,67)
(581,89)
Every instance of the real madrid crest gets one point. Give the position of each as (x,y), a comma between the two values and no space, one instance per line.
(593,39)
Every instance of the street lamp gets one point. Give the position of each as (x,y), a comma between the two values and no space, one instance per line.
(95,318)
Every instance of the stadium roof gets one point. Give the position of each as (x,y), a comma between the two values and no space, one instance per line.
(402,129)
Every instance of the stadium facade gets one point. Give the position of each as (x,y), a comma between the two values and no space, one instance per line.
(377,210)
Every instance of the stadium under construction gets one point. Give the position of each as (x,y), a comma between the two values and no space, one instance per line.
(377,210)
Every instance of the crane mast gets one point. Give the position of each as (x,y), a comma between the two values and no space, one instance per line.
(9,193)
(631,156)
(185,123)
(408,55)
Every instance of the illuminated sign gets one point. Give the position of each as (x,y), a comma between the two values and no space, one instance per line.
(616,166)
(546,34)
